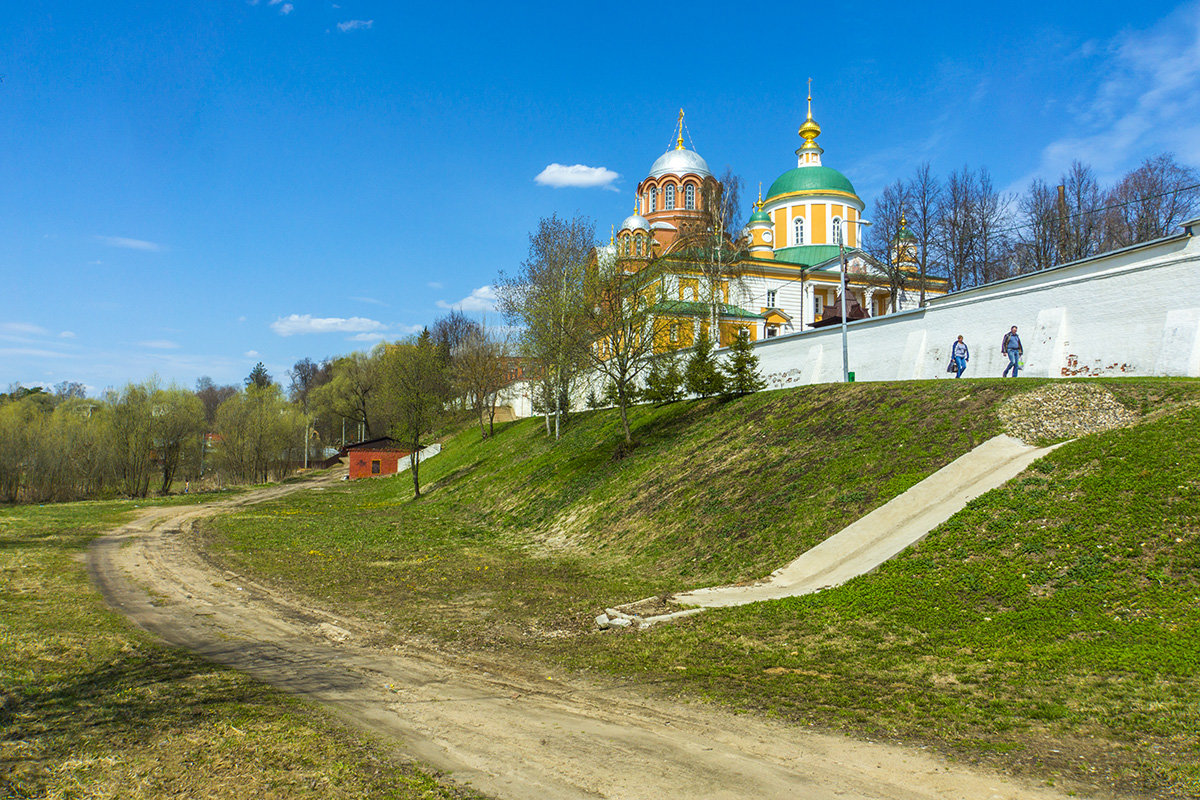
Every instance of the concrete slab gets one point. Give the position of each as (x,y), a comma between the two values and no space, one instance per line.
(863,545)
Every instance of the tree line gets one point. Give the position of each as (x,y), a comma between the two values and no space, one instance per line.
(968,232)
(59,444)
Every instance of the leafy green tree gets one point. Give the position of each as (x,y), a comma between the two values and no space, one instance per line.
(741,367)
(702,376)
(133,436)
(177,430)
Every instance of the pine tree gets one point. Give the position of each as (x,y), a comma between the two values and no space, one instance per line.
(741,368)
(664,383)
(701,375)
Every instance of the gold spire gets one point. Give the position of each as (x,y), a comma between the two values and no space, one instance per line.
(679,134)
(759,205)
(903,221)
(612,235)
(810,130)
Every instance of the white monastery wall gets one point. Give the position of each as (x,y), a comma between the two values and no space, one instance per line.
(1132,312)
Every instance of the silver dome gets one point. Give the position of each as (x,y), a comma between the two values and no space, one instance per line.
(680,162)
(635,222)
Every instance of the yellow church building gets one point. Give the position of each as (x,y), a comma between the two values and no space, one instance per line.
(786,275)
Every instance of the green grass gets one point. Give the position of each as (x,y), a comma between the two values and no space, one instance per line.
(90,707)
(1049,628)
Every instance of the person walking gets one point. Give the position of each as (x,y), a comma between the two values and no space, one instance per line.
(1012,346)
(961,355)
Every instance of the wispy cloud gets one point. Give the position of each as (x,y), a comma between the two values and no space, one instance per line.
(130,244)
(294,324)
(251,354)
(67,335)
(375,301)
(481,299)
(286,8)
(21,329)
(355,25)
(434,285)
(366,337)
(1147,102)
(160,344)
(578,176)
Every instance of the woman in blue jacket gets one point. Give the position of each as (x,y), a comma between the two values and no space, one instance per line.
(961,355)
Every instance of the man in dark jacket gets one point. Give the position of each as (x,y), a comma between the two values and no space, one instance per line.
(1012,346)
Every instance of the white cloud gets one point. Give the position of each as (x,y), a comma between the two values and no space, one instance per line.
(160,344)
(578,176)
(1147,102)
(434,285)
(375,301)
(366,337)
(251,354)
(306,323)
(481,299)
(286,8)
(67,335)
(130,244)
(355,25)
(29,351)
(22,329)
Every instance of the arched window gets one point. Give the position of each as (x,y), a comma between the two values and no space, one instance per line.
(798,230)
(689,197)
(837,230)
(639,244)
(625,245)
(669,198)
(653,206)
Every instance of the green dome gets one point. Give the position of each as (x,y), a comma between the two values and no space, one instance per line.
(905,233)
(760,216)
(808,179)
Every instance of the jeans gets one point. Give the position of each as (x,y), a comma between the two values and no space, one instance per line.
(1014,359)
(962,365)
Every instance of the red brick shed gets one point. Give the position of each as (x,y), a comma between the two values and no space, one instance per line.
(375,457)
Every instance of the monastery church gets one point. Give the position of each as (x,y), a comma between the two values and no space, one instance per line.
(787,277)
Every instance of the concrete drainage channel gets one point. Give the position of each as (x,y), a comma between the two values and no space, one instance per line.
(617,618)
(858,548)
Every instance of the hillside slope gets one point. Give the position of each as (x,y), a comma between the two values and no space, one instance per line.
(1052,625)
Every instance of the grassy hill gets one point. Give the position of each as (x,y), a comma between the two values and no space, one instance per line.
(1053,626)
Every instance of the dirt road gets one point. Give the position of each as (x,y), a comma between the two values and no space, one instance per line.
(506,730)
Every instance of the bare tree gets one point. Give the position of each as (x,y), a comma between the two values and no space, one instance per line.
(883,238)
(1081,227)
(416,377)
(993,251)
(1037,243)
(1151,201)
(712,246)
(924,192)
(546,299)
(956,228)
(479,371)
(623,323)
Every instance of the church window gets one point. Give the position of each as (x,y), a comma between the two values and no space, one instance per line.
(817,305)
(798,230)
(674,335)
(653,205)
(689,197)
(669,197)
(771,298)
(837,230)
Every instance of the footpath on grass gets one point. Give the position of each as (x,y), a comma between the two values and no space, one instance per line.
(498,723)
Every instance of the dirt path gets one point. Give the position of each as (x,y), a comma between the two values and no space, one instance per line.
(504,729)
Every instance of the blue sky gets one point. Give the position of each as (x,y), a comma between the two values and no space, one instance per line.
(189,188)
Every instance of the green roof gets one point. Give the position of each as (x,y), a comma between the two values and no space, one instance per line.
(808,254)
(760,216)
(693,309)
(807,179)
(905,233)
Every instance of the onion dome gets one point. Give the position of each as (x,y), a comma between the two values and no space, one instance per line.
(680,160)
(810,179)
(635,221)
(904,232)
